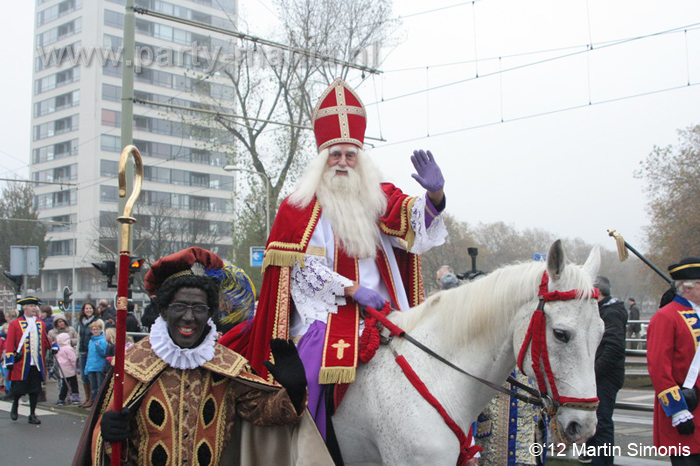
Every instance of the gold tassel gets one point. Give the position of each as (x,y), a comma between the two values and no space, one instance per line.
(329,375)
(621,249)
(282,258)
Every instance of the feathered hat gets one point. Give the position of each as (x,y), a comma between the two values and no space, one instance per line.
(190,261)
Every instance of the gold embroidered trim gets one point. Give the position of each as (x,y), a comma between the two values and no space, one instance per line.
(281,311)
(165,447)
(282,258)
(328,375)
(316,251)
(337,110)
(335,141)
(338,82)
(144,372)
(689,324)
(342,114)
(674,391)
(682,267)
(249,377)
(405,229)
(225,362)
(201,411)
(148,417)
(418,291)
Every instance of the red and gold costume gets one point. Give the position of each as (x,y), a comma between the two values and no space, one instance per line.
(672,339)
(289,244)
(22,357)
(188,416)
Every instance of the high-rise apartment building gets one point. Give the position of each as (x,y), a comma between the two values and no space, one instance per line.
(76,118)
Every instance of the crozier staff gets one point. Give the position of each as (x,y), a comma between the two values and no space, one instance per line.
(183,393)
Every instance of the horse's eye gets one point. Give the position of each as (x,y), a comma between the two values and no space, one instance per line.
(562,335)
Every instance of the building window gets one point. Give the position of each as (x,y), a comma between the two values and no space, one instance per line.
(111,118)
(108,194)
(61,222)
(109,168)
(57,80)
(59,174)
(113,93)
(110,143)
(55,151)
(55,199)
(56,11)
(114,19)
(61,248)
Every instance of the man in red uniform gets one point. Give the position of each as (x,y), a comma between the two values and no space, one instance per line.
(342,240)
(672,342)
(26,346)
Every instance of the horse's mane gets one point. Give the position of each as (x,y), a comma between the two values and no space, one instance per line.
(480,310)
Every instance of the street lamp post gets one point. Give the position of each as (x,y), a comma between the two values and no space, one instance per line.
(232,168)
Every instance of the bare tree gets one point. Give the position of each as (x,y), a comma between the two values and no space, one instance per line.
(671,175)
(18,223)
(273,92)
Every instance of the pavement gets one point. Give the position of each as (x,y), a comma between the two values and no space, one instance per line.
(633,430)
(53,442)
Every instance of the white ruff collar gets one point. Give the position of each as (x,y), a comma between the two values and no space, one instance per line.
(181,358)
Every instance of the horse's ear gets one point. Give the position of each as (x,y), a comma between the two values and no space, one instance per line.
(593,262)
(556,260)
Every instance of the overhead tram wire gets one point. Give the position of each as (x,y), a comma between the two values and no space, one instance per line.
(228,115)
(256,40)
(539,62)
(197,81)
(536,115)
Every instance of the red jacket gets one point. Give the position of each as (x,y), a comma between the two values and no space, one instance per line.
(671,346)
(21,364)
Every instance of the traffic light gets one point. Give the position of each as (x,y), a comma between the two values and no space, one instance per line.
(108,269)
(17,280)
(135,264)
(65,304)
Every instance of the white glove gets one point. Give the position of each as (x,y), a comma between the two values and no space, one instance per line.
(680,416)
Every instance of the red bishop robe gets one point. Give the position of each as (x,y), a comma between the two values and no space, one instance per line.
(672,338)
(18,356)
(287,245)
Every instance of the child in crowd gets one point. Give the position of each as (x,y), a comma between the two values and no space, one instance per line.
(67,361)
(111,337)
(97,352)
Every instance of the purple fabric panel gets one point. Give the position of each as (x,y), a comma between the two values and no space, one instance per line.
(431,212)
(310,349)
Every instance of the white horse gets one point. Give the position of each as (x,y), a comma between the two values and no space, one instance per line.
(480,327)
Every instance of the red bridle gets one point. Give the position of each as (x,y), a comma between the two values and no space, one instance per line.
(537,339)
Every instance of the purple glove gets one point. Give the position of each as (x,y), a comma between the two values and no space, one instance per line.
(429,174)
(369,298)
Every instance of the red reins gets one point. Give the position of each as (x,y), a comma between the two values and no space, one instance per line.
(536,339)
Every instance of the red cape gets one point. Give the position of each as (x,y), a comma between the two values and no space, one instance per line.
(287,244)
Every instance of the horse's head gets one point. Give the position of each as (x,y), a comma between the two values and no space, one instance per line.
(564,338)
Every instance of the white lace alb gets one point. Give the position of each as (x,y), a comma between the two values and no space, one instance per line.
(426,238)
(181,358)
(317,290)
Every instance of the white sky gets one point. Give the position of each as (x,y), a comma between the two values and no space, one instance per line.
(569,172)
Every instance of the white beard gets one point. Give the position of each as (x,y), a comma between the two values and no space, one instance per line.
(346,203)
(352,203)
